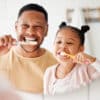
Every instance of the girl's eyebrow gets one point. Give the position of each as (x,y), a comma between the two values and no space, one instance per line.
(67,38)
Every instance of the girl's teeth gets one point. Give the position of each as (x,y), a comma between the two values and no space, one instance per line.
(63,54)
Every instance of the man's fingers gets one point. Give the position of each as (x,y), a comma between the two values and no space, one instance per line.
(6,40)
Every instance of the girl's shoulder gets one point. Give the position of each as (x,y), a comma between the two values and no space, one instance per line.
(51,68)
(50,71)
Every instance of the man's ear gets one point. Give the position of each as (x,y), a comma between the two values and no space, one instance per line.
(46,30)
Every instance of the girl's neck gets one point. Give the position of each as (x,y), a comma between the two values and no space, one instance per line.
(63,70)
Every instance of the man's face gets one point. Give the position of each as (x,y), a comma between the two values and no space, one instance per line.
(31,26)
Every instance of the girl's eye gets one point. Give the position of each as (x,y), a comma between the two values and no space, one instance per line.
(69,43)
(58,42)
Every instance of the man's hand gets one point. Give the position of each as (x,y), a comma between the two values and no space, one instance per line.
(6,43)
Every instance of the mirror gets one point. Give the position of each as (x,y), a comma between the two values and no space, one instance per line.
(60,11)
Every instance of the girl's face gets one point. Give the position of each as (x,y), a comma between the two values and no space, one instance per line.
(68,41)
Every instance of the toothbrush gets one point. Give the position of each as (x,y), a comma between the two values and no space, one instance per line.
(25,43)
(64,53)
(87,61)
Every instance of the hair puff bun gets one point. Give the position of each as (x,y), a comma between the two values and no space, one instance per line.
(84,28)
(63,24)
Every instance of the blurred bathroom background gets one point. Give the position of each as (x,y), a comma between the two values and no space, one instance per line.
(74,12)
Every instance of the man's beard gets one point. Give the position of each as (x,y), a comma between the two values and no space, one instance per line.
(30,51)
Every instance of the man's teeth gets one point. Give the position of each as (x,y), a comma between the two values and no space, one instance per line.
(29,41)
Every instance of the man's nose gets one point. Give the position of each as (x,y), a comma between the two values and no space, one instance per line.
(31,31)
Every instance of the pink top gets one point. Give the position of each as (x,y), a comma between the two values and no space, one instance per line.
(79,76)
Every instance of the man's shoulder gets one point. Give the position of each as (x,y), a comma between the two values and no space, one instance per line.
(48,53)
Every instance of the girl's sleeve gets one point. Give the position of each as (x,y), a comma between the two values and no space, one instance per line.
(96,65)
(94,69)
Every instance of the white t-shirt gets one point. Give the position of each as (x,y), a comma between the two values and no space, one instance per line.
(80,76)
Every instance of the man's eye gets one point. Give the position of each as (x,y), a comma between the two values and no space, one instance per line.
(38,27)
(24,26)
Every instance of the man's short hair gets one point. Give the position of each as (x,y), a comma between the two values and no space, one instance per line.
(33,7)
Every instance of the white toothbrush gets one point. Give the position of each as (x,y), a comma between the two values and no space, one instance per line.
(25,43)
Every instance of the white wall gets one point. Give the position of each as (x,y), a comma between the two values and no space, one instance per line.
(57,13)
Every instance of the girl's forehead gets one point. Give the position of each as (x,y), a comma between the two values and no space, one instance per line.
(68,32)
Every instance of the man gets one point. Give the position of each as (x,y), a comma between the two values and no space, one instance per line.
(23,61)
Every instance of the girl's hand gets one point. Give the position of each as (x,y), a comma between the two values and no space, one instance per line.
(83,58)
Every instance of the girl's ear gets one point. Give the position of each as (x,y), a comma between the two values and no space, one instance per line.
(16,25)
(81,48)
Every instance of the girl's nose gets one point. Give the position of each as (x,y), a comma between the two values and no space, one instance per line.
(64,46)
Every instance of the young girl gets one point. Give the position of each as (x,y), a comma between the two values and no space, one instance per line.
(75,68)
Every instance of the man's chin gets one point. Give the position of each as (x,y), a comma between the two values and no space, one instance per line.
(29,49)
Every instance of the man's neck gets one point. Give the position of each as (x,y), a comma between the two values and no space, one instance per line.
(36,53)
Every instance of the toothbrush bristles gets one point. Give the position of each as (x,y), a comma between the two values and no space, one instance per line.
(64,53)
